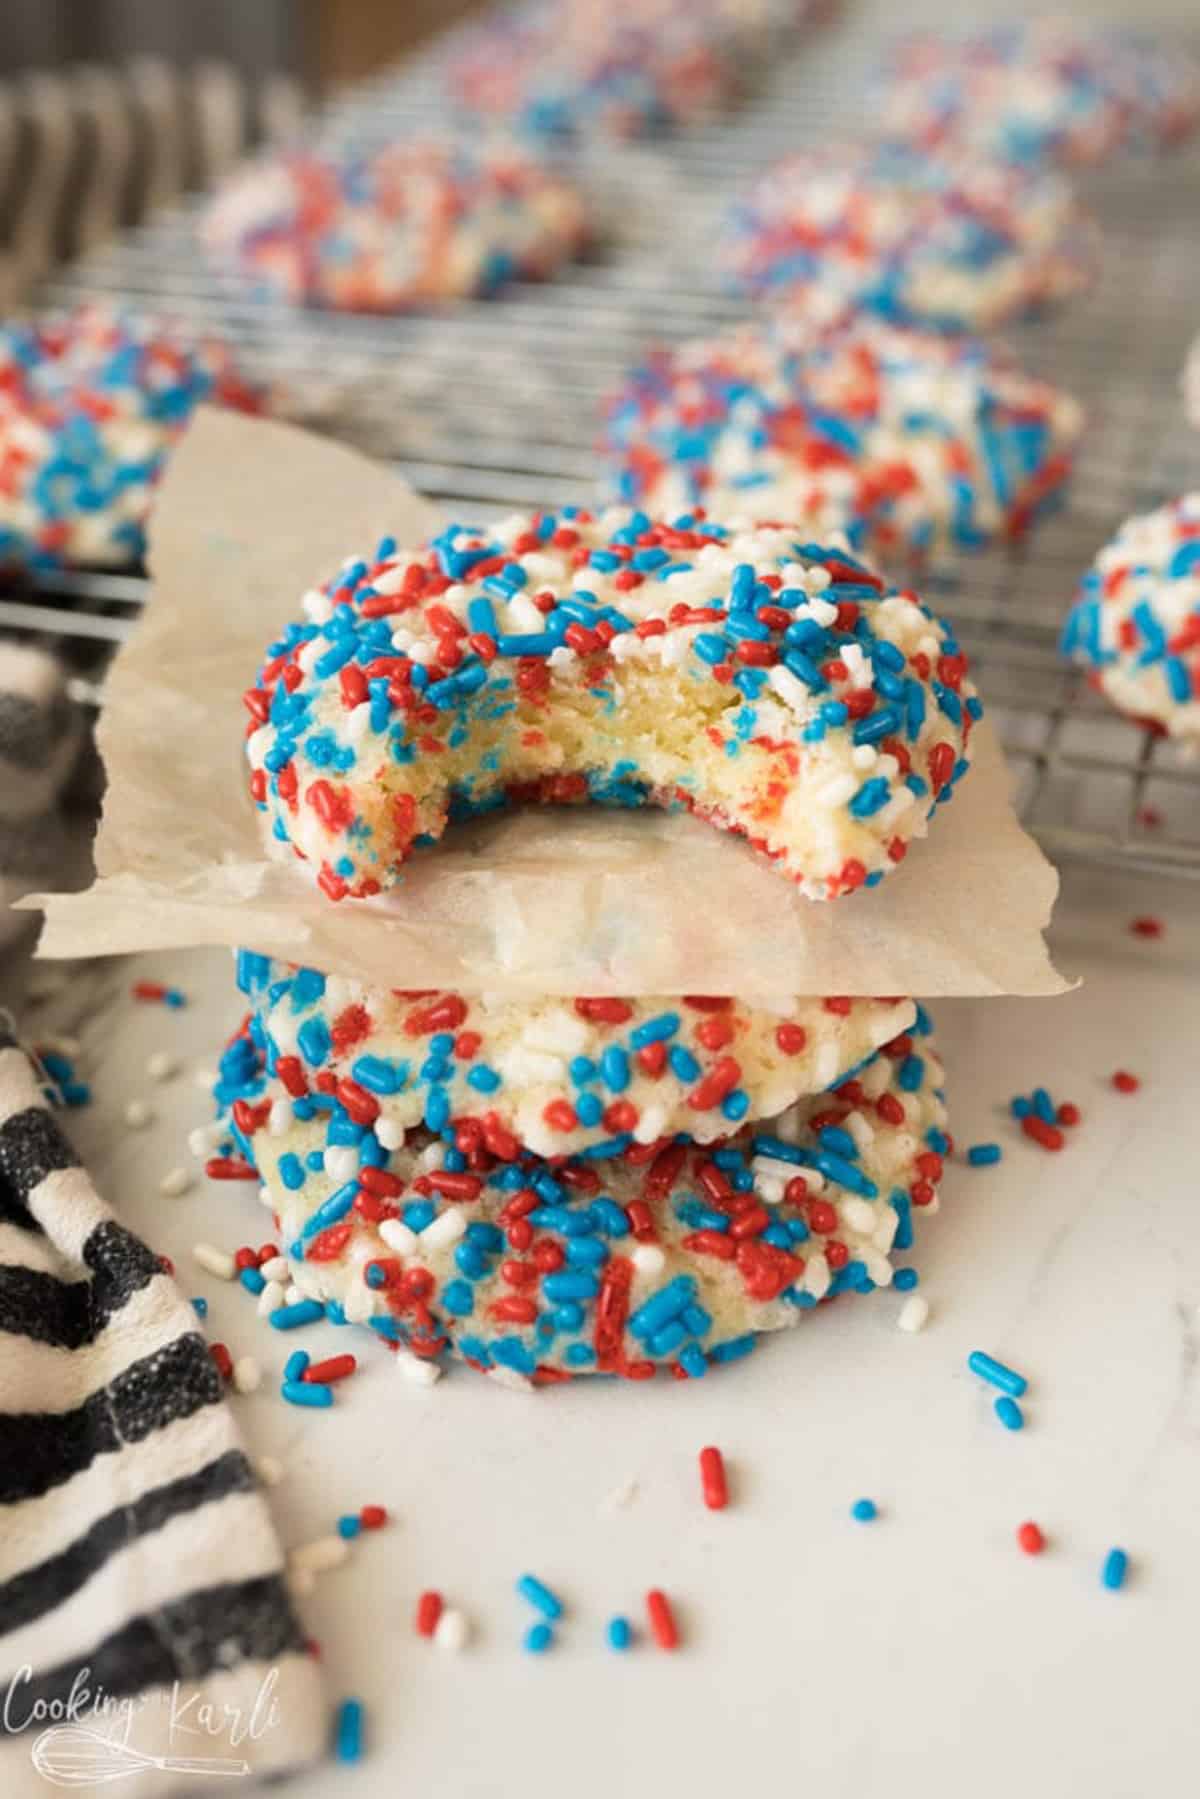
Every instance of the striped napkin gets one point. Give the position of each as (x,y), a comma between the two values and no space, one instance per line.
(145,1624)
(41,738)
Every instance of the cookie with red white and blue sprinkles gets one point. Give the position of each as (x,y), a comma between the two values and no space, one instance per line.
(912,443)
(561,1076)
(671,1255)
(1050,89)
(582,71)
(90,404)
(1136,623)
(777,688)
(411,225)
(957,245)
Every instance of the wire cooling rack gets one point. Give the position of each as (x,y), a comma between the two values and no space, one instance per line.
(495,406)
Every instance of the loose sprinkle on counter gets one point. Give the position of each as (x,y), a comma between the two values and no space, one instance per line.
(864,1511)
(618,1633)
(1114,1570)
(452,1630)
(429,1610)
(1147,927)
(1124,1082)
(996,1373)
(1009,1413)
(662,1619)
(348,1731)
(540,1596)
(914,1314)
(713,1483)
(1030,1538)
(214,1261)
(982,1155)
(539,1637)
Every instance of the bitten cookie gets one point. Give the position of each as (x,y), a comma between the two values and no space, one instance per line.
(90,404)
(412,225)
(561,1076)
(912,443)
(1136,623)
(670,1256)
(777,688)
(959,245)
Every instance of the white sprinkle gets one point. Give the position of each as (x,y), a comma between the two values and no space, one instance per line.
(359,1304)
(431,1158)
(280,1118)
(214,1261)
(318,1556)
(445,1230)
(651,1125)
(203,1140)
(161,1066)
(341,1162)
(622,1497)
(138,1115)
(510,1378)
(452,1631)
(860,1216)
(648,1259)
(247,1375)
(205,1079)
(175,1183)
(293,1295)
(397,1236)
(274,1269)
(389,1133)
(269,1471)
(914,1314)
(270,1299)
(418,1369)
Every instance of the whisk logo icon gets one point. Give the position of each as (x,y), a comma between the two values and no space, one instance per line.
(77,1755)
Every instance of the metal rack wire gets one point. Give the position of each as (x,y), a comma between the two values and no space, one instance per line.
(495,406)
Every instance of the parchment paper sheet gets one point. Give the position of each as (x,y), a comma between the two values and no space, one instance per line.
(570,901)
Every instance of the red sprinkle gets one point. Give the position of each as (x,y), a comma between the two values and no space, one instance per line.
(223,1360)
(712,1479)
(1148,927)
(1048,1135)
(373,1517)
(1030,1538)
(336,1368)
(149,990)
(429,1610)
(662,1619)
(1124,1082)
(229,1168)
(1068,1113)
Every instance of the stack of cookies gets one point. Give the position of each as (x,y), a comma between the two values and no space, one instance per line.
(550,1185)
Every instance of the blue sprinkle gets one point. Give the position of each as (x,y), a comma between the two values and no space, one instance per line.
(307,1393)
(348,1731)
(540,1596)
(1114,1570)
(996,1374)
(982,1155)
(252,1280)
(200,1307)
(297,1362)
(864,1510)
(618,1633)
(1009,1413)
(539,1638)
(289,1318)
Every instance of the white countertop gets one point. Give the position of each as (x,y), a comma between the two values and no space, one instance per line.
(921,1654)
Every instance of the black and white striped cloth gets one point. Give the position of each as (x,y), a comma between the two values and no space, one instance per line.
(141,1578)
